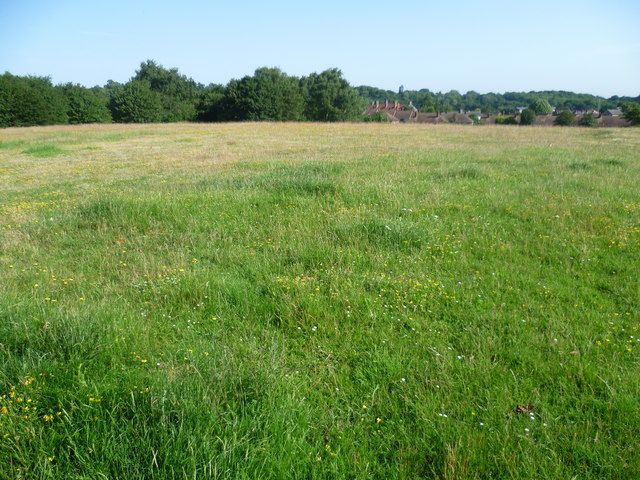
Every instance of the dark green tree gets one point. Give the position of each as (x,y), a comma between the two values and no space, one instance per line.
(85,106)
(178,94)
(268,95)
(329,98)
(135,102)
(211,103)
(6,101)
(527,117)
(631,112)
(28,101)
(541,107)
(565,119)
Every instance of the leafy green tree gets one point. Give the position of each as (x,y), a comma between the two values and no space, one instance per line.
(84,106)
(135,102)
(527,117)
(178,95)
(454,99)
(329,98)
(631,112)
(268,95)
(541,107)
(565,119)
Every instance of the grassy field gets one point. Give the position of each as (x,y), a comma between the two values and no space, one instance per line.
(249,301)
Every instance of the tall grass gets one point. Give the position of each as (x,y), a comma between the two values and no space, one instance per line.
(319,301)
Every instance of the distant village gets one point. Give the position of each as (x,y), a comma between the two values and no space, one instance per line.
(408,113)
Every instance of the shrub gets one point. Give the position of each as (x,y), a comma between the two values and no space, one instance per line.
(527,117)
(379,117)
(565,119)
(506,120)
(588,120)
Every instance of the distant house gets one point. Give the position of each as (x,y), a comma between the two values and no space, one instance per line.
(407,113)
(387,106)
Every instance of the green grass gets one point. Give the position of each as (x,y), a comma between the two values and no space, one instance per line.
(320,301)
(44,150)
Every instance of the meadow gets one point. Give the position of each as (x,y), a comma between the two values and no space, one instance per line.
(319,301)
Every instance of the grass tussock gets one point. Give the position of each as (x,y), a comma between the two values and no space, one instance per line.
(319,301)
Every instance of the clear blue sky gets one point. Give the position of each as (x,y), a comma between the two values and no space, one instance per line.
(583,46)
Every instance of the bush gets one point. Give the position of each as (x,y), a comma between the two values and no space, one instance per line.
(376,117)
(565,119)
(588,120)
(506,120)
(527,117)
(477,119)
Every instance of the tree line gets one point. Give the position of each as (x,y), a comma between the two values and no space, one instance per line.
(427,101)
(158,94)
